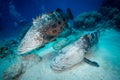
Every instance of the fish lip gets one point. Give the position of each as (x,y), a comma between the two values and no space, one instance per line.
(55,67)
(21,51)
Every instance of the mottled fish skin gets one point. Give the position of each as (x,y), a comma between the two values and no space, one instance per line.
(74,53)
(45,28)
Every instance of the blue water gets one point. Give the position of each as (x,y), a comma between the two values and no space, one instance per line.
(14,11)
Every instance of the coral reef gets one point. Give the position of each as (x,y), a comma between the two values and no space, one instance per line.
(106,17)
(111,17)
(117,21)
(110,11)
(87,21)
(111,3)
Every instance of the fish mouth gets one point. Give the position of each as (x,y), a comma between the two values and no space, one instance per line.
(56,68)
(23,50)
(20,52)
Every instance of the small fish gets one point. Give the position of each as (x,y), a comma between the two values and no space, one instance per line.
(45,28)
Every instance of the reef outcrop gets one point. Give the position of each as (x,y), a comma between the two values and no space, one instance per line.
(17,69)
(87,21)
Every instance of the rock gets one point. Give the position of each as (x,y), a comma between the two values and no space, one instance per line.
(13,72)
(17,69)
(87,21)
(60,44)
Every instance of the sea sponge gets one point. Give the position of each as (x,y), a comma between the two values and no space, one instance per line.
(117,21)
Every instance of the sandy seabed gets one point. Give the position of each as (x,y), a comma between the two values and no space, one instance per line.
(107,55)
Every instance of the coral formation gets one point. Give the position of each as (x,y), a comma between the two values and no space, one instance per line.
(110,11)
(111,17)
(87,21)
(117,21)
(111,3)
(106,17)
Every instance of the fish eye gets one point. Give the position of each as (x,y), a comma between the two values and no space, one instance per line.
(54,31)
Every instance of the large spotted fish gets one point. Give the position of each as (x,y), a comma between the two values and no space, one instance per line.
(45,28)
(75,53)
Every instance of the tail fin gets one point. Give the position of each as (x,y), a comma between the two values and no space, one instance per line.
(69,14)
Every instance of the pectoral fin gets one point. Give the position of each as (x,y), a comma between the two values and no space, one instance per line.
(93,63)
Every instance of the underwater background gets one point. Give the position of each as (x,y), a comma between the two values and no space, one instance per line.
(16,18)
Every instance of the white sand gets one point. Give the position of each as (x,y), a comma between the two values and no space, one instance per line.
(107,55)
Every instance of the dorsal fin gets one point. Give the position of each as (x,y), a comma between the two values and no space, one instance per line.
(58,10)
(69,14)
